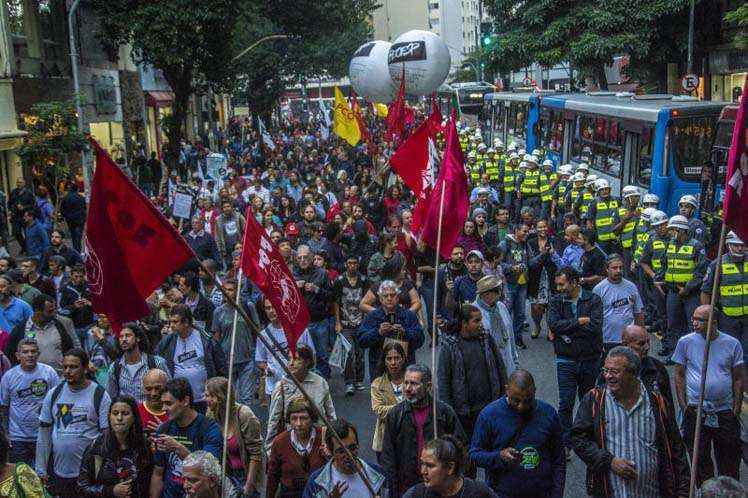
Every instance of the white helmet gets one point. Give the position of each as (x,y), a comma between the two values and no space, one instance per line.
(657,218)
(583,167)
(523,165)
(577,177)
(548,162)
(591,179)
(536,152)
(512,146)
(651,199)
(481,146)
(630,191)
(521,152)
(490,150)
(498,143)
(647,214)
(513,155)
(678,221)
(565,169)
(471,154)
(732,238)
(601,183)
(689,199)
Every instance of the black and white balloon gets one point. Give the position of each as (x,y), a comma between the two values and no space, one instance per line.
(425,59)
(369,72)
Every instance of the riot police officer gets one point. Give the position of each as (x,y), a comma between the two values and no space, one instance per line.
(687,206)
(602,216)
(682,272)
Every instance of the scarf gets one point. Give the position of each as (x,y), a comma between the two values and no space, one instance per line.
(497,323)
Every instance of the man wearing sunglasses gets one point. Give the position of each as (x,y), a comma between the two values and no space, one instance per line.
(340,478)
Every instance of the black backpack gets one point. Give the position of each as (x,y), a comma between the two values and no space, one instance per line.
(98,396)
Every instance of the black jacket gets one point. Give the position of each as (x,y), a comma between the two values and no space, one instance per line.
(73,209)
(215,360)
(588,441)
(574,341)
(655,377)
(453,372)
(317,302)
(98,472)
(69,294)
(71,257)
(400,447)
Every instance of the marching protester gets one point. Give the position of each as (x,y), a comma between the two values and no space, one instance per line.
(128,371)
(387,389)
(652,372)
(151,409)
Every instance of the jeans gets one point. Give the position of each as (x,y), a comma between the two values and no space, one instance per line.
(726,442)
(575,378)
(517,301)
(23,451)
(354,366)
(679,312)
(245,382)
(320,332)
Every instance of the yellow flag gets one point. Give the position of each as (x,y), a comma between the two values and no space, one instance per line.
(345,124)
(381,110)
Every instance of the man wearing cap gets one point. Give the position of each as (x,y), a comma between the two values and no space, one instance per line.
(732,292)
(480,217)
(687,206)
(548,181)
(602,217)
(586,198)
(496,319)
(473,167)
(465,286)
(628,219)
(682,272)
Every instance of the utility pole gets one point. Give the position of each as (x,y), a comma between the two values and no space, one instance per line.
(690,37)
(74,61)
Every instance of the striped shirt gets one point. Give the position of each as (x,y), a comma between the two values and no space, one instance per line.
(632,435)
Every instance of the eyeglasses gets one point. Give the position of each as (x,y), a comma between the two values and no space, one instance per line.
(699,319)
(353,447)
(612,371)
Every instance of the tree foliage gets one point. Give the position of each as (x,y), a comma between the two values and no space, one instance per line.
(586,33)
(52,135)
(739,18)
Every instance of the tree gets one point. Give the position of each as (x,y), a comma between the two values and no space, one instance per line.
(192,43)
(739,17)
(52,135)
(586,33)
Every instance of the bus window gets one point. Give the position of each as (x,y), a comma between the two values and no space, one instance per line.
(599,141)
(642,171)
(691,145)
(517,122)
(498,110)
(552,129)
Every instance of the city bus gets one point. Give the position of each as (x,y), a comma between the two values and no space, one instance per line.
(657,142)
(514,116)
(470,95)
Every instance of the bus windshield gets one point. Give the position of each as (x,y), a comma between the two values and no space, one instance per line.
(691,144)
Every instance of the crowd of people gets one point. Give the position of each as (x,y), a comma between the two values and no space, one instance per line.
(147,410)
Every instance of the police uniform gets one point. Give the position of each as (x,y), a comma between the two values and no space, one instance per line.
(732,294)
(684,266)
(603,213)
(508,181)
(697,229)
(529,187)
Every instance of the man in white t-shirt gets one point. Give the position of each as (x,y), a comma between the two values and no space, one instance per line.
(263,357)
(622,304)
(73,414)
(723,395)
(339,477)
(22,391)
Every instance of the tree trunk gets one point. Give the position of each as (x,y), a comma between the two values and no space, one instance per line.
(600,78)
(181,84)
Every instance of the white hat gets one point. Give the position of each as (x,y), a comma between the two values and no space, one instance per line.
(498,143)
(577,177)
(521,152)
(583,167)
(651,199)
(647,213)
(523,164)
(536,152)
(601,183)
(471,154)
(680,222)
(547,162)
(565,169)
(732,238)
(481,146)
(491,150)
(657,218)
(630,191)
(591,179)
(513,155)
(689,199)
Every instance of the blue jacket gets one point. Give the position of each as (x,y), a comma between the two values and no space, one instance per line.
(37,239)
(542,470)
(368,335)
(320,482)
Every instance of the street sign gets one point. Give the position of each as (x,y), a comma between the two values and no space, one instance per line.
(690,82)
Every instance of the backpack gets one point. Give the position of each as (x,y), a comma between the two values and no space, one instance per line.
(117,370)
(98,396)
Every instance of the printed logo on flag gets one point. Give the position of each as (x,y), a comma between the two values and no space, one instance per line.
(94,272)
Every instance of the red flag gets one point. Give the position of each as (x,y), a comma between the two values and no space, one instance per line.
(453,182)
(130,247)
(263,264)
(411,160)
(736,188)
(396,113)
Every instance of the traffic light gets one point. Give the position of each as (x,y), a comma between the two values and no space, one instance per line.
(486,33)
(486,40)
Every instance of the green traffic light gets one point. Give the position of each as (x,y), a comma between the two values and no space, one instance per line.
(487,40)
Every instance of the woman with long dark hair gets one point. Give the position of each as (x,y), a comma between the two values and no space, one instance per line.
(119,462)
(387,389)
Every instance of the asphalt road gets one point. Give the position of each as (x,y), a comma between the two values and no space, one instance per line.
(538,358)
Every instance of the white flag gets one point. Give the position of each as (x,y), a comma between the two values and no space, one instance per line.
(325,123)
(266,138)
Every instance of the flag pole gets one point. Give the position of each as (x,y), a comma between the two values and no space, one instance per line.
(230,401)
(705,362)
(434,377)
(274,348)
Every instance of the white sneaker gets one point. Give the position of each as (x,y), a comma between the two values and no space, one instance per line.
(350,390)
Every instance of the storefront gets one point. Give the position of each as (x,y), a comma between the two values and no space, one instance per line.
(158,105)
(728,70)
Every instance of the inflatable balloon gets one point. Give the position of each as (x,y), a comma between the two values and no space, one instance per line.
(425,58)
(369,73)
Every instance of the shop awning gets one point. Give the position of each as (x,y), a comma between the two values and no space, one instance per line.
(159,99)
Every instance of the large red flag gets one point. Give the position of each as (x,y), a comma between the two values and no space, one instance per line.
(453,182)
(736,189)
(396,113)
(130,247)
(411,160)
(263,264)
